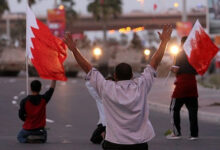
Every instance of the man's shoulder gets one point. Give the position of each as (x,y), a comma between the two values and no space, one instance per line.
(24,100)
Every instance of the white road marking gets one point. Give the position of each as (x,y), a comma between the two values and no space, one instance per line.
(68,125)
(49,120)
(15,97)
(12,80)
(14,102)
(22,92)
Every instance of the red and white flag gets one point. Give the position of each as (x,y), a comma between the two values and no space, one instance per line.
(46,52)
(199,49)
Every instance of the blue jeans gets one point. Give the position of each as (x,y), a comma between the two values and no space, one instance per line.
(23,135)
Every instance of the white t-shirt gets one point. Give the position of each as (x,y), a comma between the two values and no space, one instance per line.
(99,104)
(125,106)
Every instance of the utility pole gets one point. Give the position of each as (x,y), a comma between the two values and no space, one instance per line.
(184,12)
(55,4)
(8,28)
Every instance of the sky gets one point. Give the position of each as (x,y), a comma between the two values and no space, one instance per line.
(128,5)
(40,9)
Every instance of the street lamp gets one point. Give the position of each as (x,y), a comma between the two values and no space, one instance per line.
(61,7)
(176,4)
(174,49)
(146,52)
(97,52)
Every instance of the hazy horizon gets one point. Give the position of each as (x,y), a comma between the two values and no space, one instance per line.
(128,5)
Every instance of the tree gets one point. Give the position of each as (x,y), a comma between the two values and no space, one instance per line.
(3,6)
(71,14)
(30,2)
(103,10)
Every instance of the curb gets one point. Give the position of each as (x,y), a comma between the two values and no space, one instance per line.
(203,116)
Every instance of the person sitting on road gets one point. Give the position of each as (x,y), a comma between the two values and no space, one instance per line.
(33,112)
(125,100)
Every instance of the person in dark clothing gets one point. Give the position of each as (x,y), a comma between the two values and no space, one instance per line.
(33,112)
(185,92)
(98,134)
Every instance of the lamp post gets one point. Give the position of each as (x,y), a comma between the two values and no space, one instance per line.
(174,50)
(184,12)
(8,28)
(147,53)
(55,4)
(97,52)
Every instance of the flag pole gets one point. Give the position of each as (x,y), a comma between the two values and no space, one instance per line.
(27,75)
(26,60)
(169,74)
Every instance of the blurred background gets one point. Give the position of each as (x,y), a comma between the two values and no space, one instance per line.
(109,32)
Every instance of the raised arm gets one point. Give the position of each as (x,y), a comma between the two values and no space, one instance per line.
(83,63)
(164,37)
(48,94)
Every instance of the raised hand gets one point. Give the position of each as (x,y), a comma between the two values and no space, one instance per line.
(164,37)
(166,33)
(70,42)
(83,63)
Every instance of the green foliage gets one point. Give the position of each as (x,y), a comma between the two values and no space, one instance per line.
(3,6)
(168,132)
(105,10)
(30,2)
(71,14)
(69,4)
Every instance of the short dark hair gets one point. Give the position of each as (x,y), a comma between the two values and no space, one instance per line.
(123,71)
(110,78)
(35,86)
(183,40)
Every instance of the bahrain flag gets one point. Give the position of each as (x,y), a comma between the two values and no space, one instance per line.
(46,52)
(199,49)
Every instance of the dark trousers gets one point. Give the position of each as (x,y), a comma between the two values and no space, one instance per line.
(112,146)
(96,137)
(24,134)
(192,106)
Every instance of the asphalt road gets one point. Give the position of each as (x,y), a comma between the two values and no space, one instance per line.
(72,116)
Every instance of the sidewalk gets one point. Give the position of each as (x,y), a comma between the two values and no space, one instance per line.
(160,97)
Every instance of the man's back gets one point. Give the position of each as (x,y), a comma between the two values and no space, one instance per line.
(126,108)
(33,110)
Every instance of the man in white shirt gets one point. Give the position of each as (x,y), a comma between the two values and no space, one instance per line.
(99,133)
(125,101)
